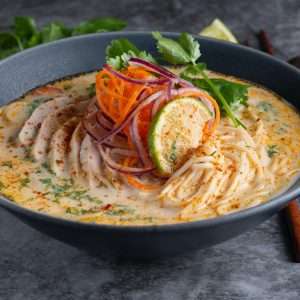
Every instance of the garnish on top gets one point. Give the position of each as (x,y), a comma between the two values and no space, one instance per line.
(146,118)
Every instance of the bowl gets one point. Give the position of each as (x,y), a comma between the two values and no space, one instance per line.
(40,65)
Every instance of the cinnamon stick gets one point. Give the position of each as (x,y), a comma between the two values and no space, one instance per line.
(265,42)
(292,212)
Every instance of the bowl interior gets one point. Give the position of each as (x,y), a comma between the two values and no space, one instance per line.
(40,65)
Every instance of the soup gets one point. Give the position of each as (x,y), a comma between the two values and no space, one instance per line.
(59,156)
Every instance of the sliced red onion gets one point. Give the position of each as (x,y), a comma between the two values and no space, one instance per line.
(152,67)
(124,152)
(158,81)
(178,92)
(120,168)
(106,123)
(138,143)
(129,117)
(157,105)
(159,70)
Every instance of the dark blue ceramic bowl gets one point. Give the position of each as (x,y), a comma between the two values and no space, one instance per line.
(42,64)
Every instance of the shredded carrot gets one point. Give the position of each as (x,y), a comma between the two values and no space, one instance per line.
(117,97)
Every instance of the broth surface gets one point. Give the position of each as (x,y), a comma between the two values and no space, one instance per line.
(33,184)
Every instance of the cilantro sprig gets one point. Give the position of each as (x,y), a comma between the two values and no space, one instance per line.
(184,51)
(26,34)
(118,53)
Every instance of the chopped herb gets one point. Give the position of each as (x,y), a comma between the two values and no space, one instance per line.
(7,163)
(118,210)
(73,211)
(24,182)
(81,211)
(2,186)
(1,127)
(67,189)
(173,155)
(67,86)
(213,153)
(33,105)
(272,150)
(236,94)
(266,107)
(47,168)
(91,90)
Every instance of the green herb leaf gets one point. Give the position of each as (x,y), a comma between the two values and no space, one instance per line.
(230,95)
(54,31)
(7,164)
(33,105)
(9,44)
(171,50)
(236,94)
(99,25)
(25,27)
(118,53)
(91,90)
(272,150)
(193,70)
(24,182)
(25,33)
(190,45)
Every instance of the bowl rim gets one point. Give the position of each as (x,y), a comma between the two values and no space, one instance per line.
(273,202)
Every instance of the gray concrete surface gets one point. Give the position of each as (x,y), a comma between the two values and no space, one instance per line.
(256,265)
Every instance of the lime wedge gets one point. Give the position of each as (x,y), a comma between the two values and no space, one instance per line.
(218,30)
(175,130)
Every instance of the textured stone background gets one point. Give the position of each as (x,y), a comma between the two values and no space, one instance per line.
(255,265)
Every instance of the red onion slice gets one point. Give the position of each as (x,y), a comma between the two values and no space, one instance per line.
(158,81)
(159,70)
(178,92)
(138,143)
(129,117)
(124,152)
(120,168)
(152,67)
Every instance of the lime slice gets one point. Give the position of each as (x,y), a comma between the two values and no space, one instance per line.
(218,30)
(175,130)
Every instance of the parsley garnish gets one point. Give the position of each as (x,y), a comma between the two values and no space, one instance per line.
(33,105)
(173,155)
(25,32)
(272,150)
(118,53)
(91,90)
(24,182)
(7,163)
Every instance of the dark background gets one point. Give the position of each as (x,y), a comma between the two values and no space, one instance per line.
(255,265)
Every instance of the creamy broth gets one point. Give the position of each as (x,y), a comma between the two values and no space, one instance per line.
(75,195)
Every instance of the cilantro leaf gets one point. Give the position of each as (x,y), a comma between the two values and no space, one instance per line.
(182,51)
(118,53)
(25,27)
(229,95)
(25,33)
(191,46)
(234,93)
(171,50)
(54,31)
(193,70)
(99,25)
